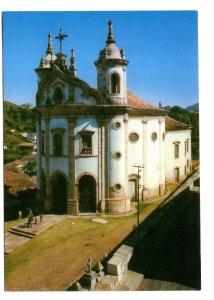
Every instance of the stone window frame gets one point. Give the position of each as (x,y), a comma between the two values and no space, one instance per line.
(138,137)
(61,86)
(60,132)
(114,90)
(186,146)
(85,151)
(176,149)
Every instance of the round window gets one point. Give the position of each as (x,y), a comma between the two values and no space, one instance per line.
(154,136)
(117,155)
(117,125)
(133,137)
(117,187)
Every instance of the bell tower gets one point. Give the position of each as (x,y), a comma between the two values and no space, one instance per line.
(111,71)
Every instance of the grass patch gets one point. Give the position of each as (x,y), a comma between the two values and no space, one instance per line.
(9,224)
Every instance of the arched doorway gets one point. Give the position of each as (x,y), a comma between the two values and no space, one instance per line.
(59,193)
(133,188)
(87,194)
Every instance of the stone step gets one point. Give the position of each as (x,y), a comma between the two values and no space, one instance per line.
(18,232)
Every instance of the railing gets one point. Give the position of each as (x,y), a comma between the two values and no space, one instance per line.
(86,151)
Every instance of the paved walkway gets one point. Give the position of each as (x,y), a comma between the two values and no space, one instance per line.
(23,233)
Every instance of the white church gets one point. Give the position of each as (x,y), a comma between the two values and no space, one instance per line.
(91,140)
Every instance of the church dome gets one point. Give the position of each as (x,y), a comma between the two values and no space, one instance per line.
(112,52)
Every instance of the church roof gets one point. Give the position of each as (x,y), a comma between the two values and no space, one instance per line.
(172,124)
(138,103)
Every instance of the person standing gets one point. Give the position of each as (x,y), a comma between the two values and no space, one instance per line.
(20,214)
(41,217)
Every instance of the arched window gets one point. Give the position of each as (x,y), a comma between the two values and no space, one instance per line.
(42,143)
(58,95)
(57,144)
(115,83)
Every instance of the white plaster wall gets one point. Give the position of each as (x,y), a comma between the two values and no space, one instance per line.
(59,123)
(78,96)
(86,164)
(171,162)
(59,164)
(117,143)
(135,150)
(153,148)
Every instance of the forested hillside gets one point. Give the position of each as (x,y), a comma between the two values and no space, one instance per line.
(17,119)
(189,117)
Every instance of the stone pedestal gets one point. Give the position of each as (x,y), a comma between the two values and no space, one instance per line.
(72,207)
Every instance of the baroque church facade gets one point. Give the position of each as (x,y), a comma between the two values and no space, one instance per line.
(91,141)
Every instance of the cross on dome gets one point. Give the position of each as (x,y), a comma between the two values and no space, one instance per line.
(61,37)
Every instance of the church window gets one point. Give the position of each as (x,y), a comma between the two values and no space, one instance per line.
(154,136)
(58,95)
(57,144)
(42,143)
(117,187)
(117,155)
(117,125)
(115,83)
(186,144)
(176,149)
(133,137)
(86,142)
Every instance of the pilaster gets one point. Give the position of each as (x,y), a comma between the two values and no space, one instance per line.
(48,202)
(72,205)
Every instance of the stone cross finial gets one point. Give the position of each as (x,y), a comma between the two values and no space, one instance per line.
(110,38)
(50,49)
(61,37)
(73,69)
(89,265)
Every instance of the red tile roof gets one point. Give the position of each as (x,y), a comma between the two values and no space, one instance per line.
(138,102)
(172,124)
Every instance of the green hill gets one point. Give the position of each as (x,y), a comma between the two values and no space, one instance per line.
(17,119)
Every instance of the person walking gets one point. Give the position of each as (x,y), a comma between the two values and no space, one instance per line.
(41,217)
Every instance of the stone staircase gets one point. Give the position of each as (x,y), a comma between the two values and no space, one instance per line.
(21,232)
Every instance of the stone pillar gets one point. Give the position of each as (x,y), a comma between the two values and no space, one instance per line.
(72,204)
(145,160)
(126,119)
(106,160)
(48,202)
(39,159)
(101,164)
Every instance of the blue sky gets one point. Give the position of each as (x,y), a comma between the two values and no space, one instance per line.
(161,46)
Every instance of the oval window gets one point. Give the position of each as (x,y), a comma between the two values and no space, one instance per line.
(117,125)
(133,137)
(117,187)
(154,136)
(117,155)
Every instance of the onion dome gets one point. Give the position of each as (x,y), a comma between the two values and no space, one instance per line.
(50,57)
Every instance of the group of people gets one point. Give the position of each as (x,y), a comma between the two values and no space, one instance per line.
(31,218)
